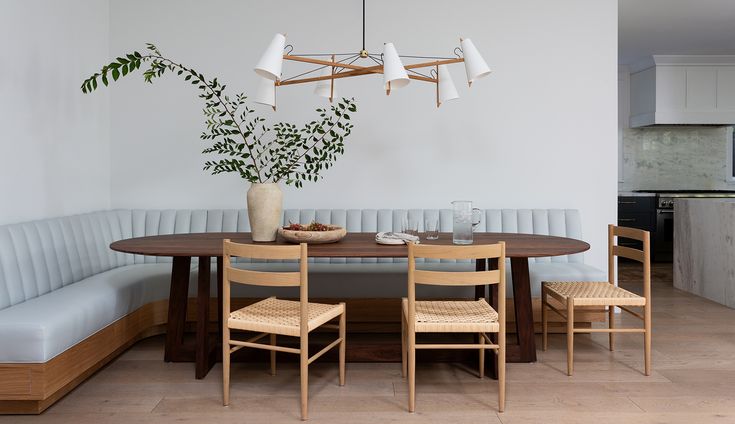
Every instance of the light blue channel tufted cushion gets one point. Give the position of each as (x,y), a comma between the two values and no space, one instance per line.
(60,282)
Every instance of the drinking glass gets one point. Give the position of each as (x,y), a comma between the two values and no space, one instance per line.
(431,226)
(410,225)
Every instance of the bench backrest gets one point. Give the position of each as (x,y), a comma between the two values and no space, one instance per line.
(40,256)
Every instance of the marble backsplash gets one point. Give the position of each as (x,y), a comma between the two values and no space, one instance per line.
(676,158)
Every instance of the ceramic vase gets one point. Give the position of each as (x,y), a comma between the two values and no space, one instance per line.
(265,208)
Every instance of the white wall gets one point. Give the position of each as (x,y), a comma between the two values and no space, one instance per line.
(539,132)
(54,141)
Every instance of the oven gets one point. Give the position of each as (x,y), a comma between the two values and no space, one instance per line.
(663,237)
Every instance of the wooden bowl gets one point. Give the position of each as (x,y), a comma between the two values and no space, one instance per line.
(333,235)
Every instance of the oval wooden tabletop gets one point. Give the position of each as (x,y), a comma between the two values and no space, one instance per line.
(354,245)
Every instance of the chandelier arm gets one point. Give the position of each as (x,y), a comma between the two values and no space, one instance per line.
(353,73)
(320,62)
(304,73)
(325,54)
(321,67)
(422,78)
(322,78)
(418,73)
(434,63)
(357,57)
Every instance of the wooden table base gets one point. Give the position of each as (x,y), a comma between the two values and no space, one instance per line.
(205,352)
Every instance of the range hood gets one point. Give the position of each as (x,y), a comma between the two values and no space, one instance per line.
(683,90)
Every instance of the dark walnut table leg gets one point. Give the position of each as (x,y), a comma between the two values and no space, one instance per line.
(205,351)
(177,299)
(525,351)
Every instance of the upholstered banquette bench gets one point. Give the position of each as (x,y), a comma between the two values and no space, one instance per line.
(69,304)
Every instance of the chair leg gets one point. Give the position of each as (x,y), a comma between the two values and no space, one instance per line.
(647,337)
(501,371)
(273,355)
(411,371)
(226,367)
(403,345)
(611,325)
(544,321)
(304,370)
(570,336)
(482,356)
(342,345)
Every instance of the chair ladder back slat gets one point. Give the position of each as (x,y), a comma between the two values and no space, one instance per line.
(261,251)
(466,278)
(264,278)
(629,253)
(457,252)
(627,232)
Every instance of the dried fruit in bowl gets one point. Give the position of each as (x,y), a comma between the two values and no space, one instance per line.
(313,226)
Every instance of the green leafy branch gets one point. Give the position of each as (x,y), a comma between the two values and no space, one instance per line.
(246,145)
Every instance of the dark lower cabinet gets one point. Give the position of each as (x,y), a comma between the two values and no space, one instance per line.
(637,212)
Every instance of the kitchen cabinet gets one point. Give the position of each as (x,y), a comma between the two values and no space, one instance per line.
(637,212)
(677,90)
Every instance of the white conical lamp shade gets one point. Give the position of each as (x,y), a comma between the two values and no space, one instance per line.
(324,87)
(270,64)
(474,64)
(266,93)
(447,90)
(393,70)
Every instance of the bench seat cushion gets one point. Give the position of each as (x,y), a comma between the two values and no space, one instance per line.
(41,328)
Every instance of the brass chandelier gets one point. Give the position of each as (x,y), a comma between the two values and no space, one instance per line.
(344,65)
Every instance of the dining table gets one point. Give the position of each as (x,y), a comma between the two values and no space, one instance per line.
(205,246)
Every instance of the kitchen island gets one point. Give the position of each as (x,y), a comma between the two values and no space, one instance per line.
(704,248)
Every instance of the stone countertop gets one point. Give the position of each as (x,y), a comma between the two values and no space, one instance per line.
(684,200)
(635,194)
(704,248)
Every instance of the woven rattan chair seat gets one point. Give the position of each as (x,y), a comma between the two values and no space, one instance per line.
(454,316)
(281,316)
(587,293)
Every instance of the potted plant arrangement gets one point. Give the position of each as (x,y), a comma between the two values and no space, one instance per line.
(263,155)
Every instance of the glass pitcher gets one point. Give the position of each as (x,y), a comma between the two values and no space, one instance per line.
(466,219)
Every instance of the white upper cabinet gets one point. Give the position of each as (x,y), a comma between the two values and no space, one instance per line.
(677,90)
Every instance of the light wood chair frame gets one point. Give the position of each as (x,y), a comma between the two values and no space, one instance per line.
(465,278)
(613,250)
(275,279)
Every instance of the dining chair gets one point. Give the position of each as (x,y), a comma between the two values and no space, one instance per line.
(272,316)
(604,294)
(454,316)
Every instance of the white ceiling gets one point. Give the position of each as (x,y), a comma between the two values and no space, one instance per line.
(647,27)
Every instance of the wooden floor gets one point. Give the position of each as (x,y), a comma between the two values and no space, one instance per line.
(693,382)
